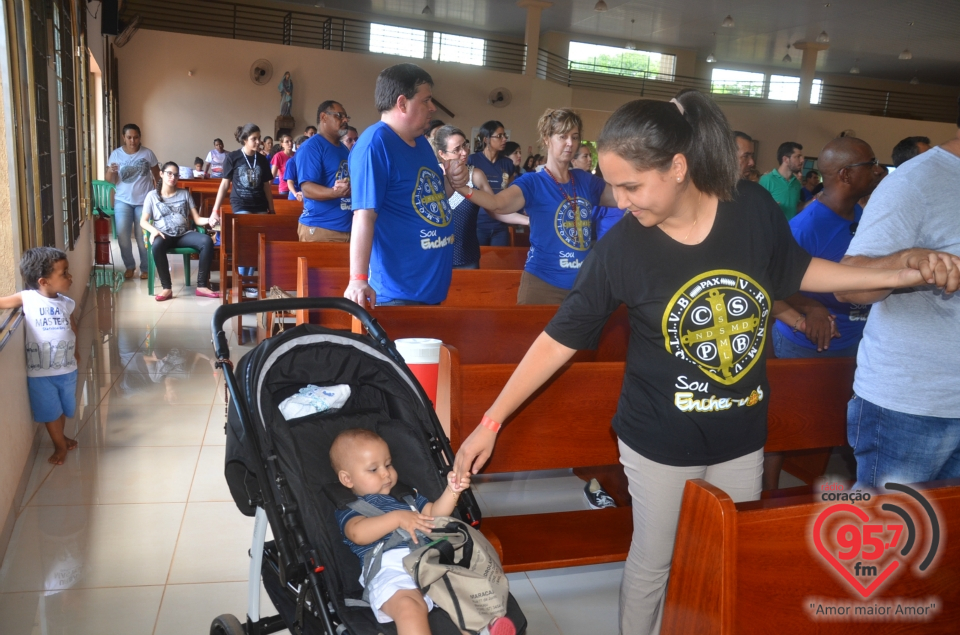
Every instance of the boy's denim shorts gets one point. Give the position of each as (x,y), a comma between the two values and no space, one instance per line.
(53,396)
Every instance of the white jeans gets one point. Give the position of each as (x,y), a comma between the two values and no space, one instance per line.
(657,491)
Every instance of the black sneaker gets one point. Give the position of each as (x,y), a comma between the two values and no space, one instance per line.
(596,496)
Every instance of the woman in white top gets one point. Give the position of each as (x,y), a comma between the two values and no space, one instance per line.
(133,169)
(213,164)
(167,212)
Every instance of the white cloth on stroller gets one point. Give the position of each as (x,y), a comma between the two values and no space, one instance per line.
(391,578)
(312,399)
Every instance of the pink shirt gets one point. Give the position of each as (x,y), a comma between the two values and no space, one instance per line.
(280,160)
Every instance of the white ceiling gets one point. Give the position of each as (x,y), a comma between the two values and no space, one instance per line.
(868,33)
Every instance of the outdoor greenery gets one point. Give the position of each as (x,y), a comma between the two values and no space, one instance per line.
(620,61)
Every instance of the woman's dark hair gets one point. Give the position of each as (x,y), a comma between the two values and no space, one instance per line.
(243,132)
(130,126)
(530,163)
(402,79)
(442,134)
(510,148)
(488,129)
(160,180)
(649,133)
(268,137)
(37,263)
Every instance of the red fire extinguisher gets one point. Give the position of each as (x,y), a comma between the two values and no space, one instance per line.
(101,233)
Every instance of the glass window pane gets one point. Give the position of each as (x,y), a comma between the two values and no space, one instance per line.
(816,91)
(396,40)
(458,48)
(728,82)
(612,60)
(784,88)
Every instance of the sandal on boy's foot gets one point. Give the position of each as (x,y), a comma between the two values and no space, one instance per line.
(128,274)
(207,293)
(163,298)
(597,497)
(500,626)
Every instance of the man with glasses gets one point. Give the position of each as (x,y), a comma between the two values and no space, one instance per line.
(904,419)
(402,235)
(782,182)
(325,179)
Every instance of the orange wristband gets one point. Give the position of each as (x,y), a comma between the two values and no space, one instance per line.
(490,424)
(359,276)
(469,194)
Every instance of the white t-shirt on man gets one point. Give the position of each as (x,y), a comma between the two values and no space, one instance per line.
(49,340)
(134,178)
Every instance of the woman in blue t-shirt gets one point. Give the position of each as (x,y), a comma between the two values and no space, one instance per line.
(498,169)
(452,145)
(559,202)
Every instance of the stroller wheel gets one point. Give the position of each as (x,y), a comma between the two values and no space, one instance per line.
(227,624)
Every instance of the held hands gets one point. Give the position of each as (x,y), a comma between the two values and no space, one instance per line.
(931,267)
(299,196)
(456,172)
(474,453)
(214,218)
(820,327)
(361,293)
(342,188)
(457,485)
(411,522)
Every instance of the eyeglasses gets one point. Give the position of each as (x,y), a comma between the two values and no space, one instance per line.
(465,147)
(872,162)
(502,135)
(174,174)
(342,116)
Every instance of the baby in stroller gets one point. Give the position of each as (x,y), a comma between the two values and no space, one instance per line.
(362,461)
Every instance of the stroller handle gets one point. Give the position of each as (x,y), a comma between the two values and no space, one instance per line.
(227,311)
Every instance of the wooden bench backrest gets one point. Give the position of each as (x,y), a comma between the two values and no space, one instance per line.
(281,208)
(494,335)
(736,566)
(278,261)
(567,422)
(510,258)
(475,287)
(316,282)
(246,230)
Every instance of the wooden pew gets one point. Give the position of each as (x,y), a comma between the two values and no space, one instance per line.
(226,241)
(752,567)
(279,261)
(204,190)
(244,246)
(566,424)
(502,257)
(494,335)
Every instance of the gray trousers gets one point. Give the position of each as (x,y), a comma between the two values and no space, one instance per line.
(657,491)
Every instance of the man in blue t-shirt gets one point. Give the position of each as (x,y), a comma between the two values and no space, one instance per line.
(324,179)
(824,230)
(402,235)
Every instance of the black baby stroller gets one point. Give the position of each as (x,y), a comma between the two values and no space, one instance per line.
(279,471)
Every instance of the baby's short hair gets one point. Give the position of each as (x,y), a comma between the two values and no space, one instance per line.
(37,263)
(343,444)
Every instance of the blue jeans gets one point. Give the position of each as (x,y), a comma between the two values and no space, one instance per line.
(787,349)
(900,447)
(492,232)
(127,218)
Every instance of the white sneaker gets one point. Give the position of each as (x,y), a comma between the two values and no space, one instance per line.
(251,292)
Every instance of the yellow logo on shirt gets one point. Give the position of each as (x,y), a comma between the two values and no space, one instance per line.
(430,198)
(718,322)
(574,223)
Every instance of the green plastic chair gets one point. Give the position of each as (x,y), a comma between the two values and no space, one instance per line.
(103,201)
(186,252)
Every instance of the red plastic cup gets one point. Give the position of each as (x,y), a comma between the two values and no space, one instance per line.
(422,356)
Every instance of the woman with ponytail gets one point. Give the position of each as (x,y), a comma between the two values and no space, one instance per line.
(167,212)
(698,267)
(492,139)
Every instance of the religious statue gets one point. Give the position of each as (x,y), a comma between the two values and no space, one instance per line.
(286,94)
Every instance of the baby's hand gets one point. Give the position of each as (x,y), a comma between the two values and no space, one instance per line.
(457,487)
(412,521)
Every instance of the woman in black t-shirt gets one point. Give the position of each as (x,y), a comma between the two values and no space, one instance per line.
(698,270)
(246,173)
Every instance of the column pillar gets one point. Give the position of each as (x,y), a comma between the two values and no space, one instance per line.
(808,69)
(531,36)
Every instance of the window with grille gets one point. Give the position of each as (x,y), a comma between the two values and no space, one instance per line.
(724,81)
(611,60)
